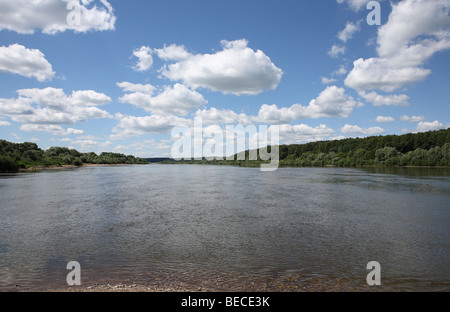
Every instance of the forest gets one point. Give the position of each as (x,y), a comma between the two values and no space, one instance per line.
(412,149)
(16,156)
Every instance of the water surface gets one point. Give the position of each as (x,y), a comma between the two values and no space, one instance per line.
(191,224)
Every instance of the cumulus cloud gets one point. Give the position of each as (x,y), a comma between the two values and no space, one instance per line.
(4,123)
(336,50)
(271,114)
(412,118)
(431,126)
(415,26)
(382,119)
(145,59)
(341,71)
(415,31)
(136,87)
(53,129)
(325,80)
(236,69)
(380,74)
(355,5)
(295,134)
(356,130)
(385,100)
(349,30)
(47,109)
(173,52)
(146,148)
(174,100)
(331,102)
(51,16)
(129,126)
(29,63)
(214,116)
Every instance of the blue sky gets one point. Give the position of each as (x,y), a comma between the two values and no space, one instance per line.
(130,71)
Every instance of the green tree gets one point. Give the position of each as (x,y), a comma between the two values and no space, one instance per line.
(8,164)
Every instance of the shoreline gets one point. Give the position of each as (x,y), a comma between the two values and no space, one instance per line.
(41,168)
(325,166)
(63,167)
(113,287)
(213,282)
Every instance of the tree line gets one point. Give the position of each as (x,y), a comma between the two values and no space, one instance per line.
(412,149)
(16,156)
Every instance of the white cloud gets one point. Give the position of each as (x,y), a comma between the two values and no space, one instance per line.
(327,80)
(87,98)
(52,108)
(53,129)
(145,59)
(4,123)
(331,102)
(377,73)
(133,87)
(340,71)
(415,24)
(382,119)
(412,118)
(430,126)
(236,69)
(173,53)
(74,131)
(175,100)
(336,50)
(214,116)
(20,106)
(135,126)
(29,63)
(385,100)
(89,145)
(348,32)
(51,16)
(415,31)
(271,114)
(146,148)
(356,5)
(356,130)
(297,134)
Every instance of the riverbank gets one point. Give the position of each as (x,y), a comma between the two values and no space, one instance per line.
(162,280)
(63,167)
(214,285)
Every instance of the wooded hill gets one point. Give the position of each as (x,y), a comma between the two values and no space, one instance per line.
(412,149)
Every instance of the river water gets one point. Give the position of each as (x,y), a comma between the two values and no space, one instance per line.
(227,228)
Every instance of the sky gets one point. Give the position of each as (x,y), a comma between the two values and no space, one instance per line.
(119,76)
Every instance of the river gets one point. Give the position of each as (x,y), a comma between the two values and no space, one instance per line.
(227,226)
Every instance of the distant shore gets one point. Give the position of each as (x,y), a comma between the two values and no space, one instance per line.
(41,168)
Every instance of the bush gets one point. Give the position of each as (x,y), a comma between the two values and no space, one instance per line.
(8,164)
(77,162)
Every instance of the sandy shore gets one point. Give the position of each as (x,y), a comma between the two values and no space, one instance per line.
(223,283)
(103,288)
(125,288)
